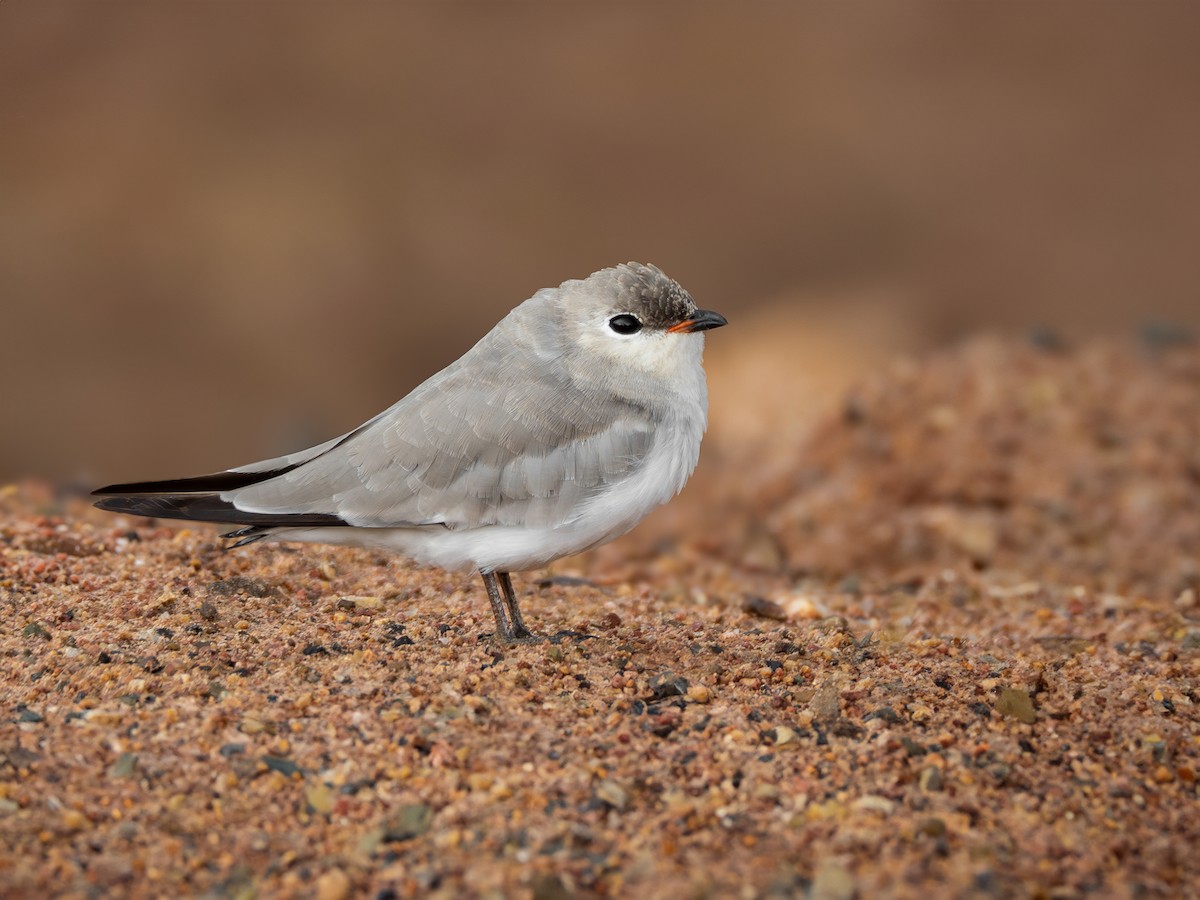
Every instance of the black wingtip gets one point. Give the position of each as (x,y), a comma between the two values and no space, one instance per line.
(211,508)
(216,483)
(199,507)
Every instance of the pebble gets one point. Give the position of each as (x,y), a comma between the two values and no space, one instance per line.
(320,797)
(668,684)
(761,606)
(124,767)
(783,735)
(1015,703)
(825,704)
(612,794)
(548,886)
(361,602)
(875,803)
(698,693)
(282,765)
(333,885)
(832,882)
(931,779)
(805,606)
(933,827)
(409,821)
(480,781)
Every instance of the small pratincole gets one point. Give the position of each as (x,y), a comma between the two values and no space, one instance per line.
(580,412)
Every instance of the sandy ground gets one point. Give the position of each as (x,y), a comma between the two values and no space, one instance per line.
(947,645)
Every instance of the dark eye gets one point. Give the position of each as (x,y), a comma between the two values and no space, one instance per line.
(625,324)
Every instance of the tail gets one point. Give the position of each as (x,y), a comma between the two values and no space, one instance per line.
(199,500)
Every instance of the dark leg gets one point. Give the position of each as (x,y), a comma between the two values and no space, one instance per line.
(503,630)
(520,632)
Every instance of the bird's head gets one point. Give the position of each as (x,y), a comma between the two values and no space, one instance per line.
(634,317)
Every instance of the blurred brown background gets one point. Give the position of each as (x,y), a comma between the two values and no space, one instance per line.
(227,230)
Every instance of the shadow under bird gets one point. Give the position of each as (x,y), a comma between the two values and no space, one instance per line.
(573,418)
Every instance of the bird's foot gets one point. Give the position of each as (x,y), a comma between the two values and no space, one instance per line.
(517,636)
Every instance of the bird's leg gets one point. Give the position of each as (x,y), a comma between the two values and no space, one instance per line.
(503,630)
(519,631)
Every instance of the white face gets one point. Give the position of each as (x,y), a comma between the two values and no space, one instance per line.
(621,339)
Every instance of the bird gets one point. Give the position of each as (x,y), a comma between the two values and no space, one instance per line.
(581,411)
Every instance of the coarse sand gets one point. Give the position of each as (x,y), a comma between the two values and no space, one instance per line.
(948,646)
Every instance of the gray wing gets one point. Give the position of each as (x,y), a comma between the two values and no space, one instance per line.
(495,439)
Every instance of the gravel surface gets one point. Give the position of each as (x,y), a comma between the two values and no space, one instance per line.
(741,713)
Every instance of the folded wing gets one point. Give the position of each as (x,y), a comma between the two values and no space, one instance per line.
(473,446)
(465,454)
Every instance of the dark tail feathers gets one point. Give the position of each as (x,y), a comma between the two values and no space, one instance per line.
(197,499)
(211,508)
(203,484)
